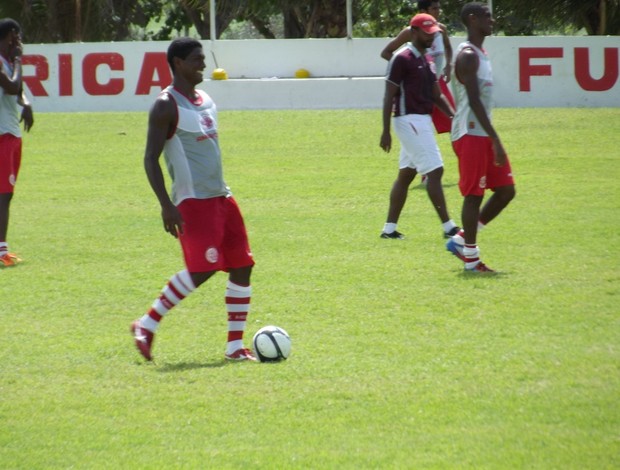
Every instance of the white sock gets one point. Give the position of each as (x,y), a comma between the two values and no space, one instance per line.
(389,227)
(480,226)
(449,225)
(4,248)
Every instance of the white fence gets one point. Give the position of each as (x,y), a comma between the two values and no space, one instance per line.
(345,73)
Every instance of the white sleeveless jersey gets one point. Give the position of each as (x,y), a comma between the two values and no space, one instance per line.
(436,54)
(465,121)
(9,110)
(192,154)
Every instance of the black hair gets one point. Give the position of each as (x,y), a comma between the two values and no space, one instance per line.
(473,8)
(425,4)
(7,25)
(181,48)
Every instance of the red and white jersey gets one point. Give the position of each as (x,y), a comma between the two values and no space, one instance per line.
(192,153)
(465,121)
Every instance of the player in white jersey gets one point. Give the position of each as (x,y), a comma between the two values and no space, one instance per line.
(200,211)
(483,162)
(12,97)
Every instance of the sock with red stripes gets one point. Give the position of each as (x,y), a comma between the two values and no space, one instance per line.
(237,305)
(472,256)
(178,287)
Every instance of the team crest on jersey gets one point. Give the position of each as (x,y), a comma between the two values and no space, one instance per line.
(206,121)
(212,255)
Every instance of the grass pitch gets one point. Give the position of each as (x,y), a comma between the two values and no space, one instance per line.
(399,360)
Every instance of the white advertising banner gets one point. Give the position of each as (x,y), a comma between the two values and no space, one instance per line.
(345,73)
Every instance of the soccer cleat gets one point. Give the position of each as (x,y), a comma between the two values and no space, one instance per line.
(457,250)
(480,268)
(452,232)
(394,235)
(242,354)
(9,259)
(143,339)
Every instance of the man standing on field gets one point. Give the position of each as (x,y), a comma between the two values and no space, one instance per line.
(411,91)
(201,211)
(483,162)
(11,96)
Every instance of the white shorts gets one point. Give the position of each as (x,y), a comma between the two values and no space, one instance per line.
(418,147)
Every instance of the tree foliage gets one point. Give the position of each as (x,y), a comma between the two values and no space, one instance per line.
(117,20)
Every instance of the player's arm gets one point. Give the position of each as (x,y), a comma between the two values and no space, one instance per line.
(442,102)
(447,70)
(388,99)
(12,84)
(161,119)
(27,115)
(403,37)
(466,70)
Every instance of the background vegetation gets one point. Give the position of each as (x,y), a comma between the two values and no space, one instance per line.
(48,21)
(399,359)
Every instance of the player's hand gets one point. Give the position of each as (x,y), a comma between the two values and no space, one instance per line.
(27,118)
(173,222)
(499,152)
(447,73)
(386,141)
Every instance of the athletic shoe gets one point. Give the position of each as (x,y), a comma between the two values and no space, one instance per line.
(9,259)
(424,180)
(457,250)
(242,354)
(480,268)
(143,339)
(394,235)
(452,232)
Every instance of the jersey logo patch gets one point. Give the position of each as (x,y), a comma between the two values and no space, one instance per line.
(212,255)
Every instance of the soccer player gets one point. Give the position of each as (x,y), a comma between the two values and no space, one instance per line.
(200,211)
(11,96)
(483,162)
(439,54)
(411,90)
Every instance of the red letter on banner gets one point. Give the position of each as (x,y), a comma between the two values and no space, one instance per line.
(41,73)
(526,70)
(89,73)
(582,70)
(65,77)
(153,62)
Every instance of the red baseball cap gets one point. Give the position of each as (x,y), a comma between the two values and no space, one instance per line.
(425,22)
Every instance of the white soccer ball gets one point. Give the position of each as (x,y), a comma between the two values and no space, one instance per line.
(271,344)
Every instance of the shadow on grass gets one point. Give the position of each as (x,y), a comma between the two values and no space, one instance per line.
(493,275)
(423,186)
(182,366)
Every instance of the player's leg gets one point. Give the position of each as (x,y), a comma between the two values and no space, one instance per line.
(473,157)
(398,197)
(176,289)
(10,160)
(239,263)
(434,189)
(200,241)
(427,159)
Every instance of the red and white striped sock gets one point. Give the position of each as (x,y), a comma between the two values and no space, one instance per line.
(178,287)
(237,305)
(472,256)
(4,248)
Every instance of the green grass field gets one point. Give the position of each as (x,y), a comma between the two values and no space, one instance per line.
(399,360)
